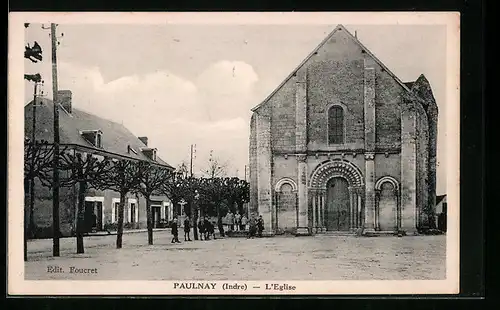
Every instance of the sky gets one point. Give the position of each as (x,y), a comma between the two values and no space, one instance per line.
(182,84)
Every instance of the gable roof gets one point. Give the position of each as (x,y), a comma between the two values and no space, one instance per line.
(337,28)
(116,137)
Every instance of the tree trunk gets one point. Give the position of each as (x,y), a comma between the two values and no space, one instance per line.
(121,210)
(149,216)
(80,218)
(26,220)
(194,217)
(174,208)
(219,222)
(240,208)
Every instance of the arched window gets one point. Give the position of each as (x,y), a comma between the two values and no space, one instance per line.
(335,125)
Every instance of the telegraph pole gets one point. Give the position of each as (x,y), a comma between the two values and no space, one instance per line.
(55,187)
(32,179)
(193,151)
(191,162)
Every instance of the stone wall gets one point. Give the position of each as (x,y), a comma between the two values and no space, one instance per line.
(422,141)
(253,177)
(282,105)
(335,76)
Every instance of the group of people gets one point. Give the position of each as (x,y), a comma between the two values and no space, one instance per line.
(256,227)
(236,221)
(206,228)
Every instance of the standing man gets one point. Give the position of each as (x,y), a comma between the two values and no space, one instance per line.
(252,227)
(175,231)
(260,225)
(187,229)
(201,228)
(207,228)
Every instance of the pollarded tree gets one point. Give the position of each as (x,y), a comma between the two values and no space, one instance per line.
(237,193)
(178,187)
(85,170)
(123,177)
(151,180)
(37,165)
(212,191)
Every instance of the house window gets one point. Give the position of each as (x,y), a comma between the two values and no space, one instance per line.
(335,125)
(132,213)
(93,137)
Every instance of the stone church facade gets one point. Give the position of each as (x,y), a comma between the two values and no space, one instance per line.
(343,145)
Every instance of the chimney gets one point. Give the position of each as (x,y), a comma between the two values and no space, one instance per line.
(65,99)
(144,140)
(356,34)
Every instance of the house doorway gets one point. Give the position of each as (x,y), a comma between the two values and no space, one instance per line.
(93,216)
(337,213)
(156,212)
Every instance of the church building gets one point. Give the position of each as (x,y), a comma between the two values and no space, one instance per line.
(344,146)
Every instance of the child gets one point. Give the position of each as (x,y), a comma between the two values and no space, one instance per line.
(175,231)
(187,229)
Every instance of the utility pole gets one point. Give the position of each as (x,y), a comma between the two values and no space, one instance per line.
(55,187)
(191,162)
(193,151)
(32,179)
(245,173)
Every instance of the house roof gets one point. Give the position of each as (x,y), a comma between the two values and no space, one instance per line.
(116,138)
(440,198)
(337,28)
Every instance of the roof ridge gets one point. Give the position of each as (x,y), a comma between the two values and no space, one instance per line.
(321,44)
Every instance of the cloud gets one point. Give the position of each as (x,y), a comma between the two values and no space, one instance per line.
(226,89)
(227,77)
(172,111)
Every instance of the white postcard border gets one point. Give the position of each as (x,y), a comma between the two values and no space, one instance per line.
(16,282)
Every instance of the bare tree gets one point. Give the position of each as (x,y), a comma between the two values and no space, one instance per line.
(37,165)
(85,170)
(151,180)
(179,187)
(215,168)
(123,177)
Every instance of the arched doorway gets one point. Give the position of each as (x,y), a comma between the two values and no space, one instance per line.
(286,206)
(337,196)
(337,212)
(387,205)
(287,211)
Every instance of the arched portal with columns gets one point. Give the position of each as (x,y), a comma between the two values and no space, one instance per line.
(336,192)
(286,206)
(387,204)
